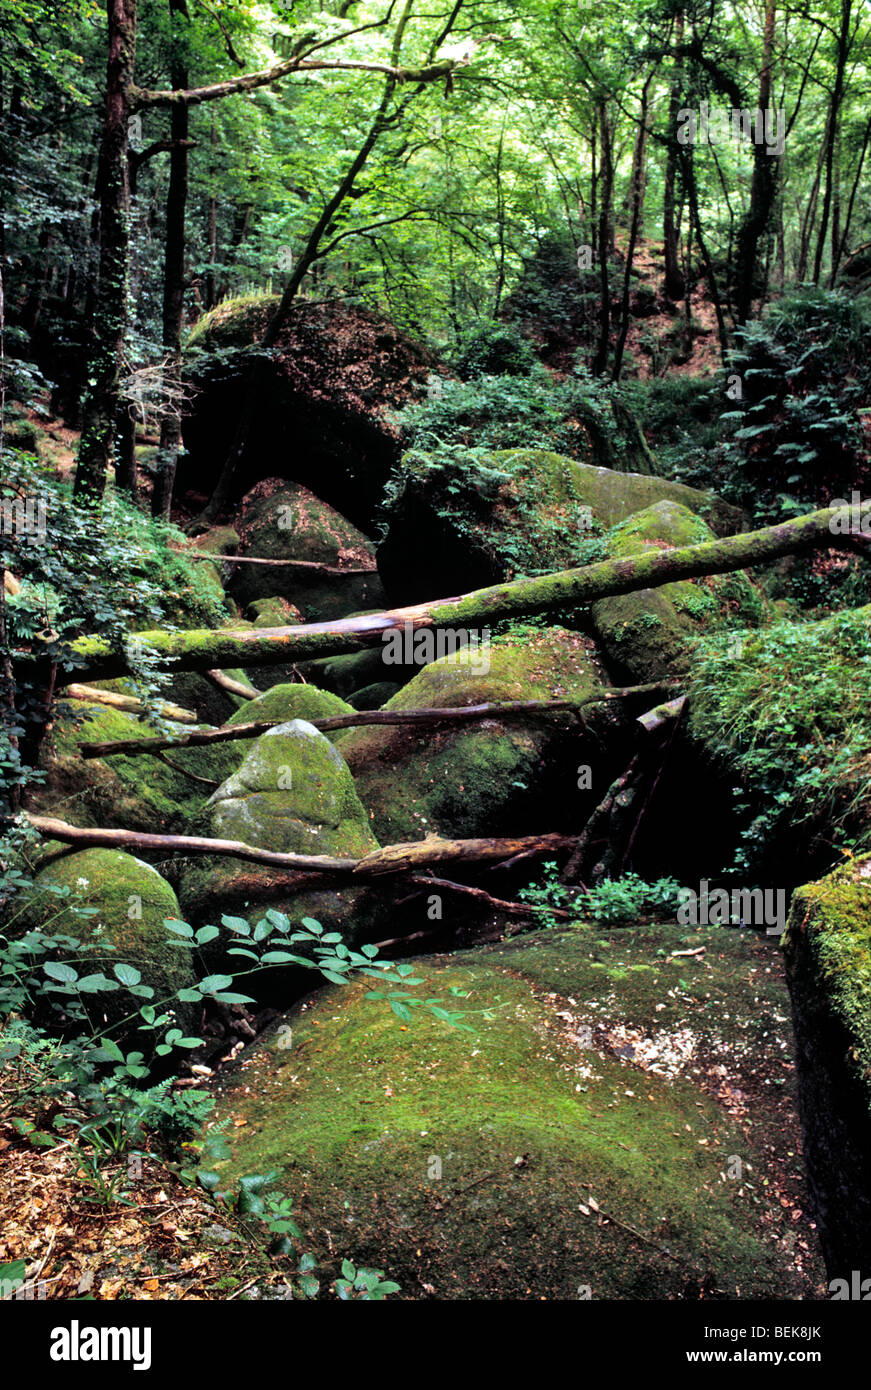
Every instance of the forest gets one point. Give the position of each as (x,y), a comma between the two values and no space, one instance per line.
(435,654)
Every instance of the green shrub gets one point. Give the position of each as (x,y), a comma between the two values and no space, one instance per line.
(797,440)
(788,710)
(491,349)
(515,412)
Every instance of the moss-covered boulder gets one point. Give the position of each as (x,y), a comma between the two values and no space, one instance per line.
(374,696)
(827,945)
(329,389)
(645,634)
(123,791)
(273,612)
(493,776)
(284,521)
(284,703)
(459,520)
(131,903)
(293,793)
(597,1135)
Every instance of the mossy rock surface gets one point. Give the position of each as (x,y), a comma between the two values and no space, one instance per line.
(209,702)
(284,703)
(374,696)
(473,1165)
(237,322)
(123,791)
(292,793)
(284,521)
(132,902)
(828,955)
(645,635)
(330,389)
(273,612)
(349,672)
(492,776)
(459,522)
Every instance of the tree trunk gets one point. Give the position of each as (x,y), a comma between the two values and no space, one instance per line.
(603,249)
(832,134)
(392,859)
(674,283)
(762,188)
(173,270)
(459,715)
(227,648)
(100,408)
(638,184)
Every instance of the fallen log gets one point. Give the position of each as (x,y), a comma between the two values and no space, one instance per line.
(230,647)
(115,700)
(225,682)
(392,859)
(506,710)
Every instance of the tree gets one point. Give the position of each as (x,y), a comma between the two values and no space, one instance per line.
(124,98)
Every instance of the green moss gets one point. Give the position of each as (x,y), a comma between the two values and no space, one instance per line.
(526,1127)
(287,702)
(648,632)
(292,793)
(374,696)
(827,946)
(273,612)
(130,792)
(483,778)
(831,920)
(236,322)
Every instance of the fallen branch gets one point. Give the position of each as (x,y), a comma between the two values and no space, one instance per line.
(225,682)
(130,703)
(393,859)
(506,710)
(502,905)
(230,647)
(313,566)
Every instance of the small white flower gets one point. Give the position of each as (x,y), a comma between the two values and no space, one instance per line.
(82,883)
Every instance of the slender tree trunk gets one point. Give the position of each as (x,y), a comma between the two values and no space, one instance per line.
(173,270)
(600,361)
(674,284)
(762,188)
(100,408)
(689,182)
(832,141)
(212,225)
(638,185)
(842,247)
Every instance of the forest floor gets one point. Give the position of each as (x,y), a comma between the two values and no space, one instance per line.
(135,1230)
(140,1231)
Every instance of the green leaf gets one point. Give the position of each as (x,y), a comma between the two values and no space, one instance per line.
(180,928)
(58,971)
(127,974)
(212,983)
